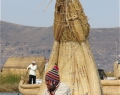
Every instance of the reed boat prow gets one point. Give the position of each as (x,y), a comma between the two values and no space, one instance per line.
(28,89)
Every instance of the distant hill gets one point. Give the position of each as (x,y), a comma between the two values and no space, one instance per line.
(19,40)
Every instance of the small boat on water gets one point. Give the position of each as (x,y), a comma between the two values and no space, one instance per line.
(32,89)
(29,89)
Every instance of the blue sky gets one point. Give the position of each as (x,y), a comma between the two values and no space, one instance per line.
(101,13)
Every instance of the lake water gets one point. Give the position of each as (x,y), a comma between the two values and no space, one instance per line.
(6,93)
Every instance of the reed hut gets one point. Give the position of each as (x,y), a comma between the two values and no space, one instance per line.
(71,50)
(117,69)
(18,65)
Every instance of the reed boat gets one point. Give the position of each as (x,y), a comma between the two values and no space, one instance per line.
(32,89)
(71,50)
(111,87)
(28,89)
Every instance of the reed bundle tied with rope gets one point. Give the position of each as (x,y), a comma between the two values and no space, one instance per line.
(72,51)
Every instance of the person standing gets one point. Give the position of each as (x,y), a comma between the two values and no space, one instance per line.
(32,72)
(47,60)
(118,61)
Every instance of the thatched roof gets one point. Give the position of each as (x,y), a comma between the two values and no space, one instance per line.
(18,65)
(23,62)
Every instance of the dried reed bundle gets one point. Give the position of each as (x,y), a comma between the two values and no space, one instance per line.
(111,90)
(72,51)
(110,82)
(117,70)
(53,59)
(111,87)
(91,69)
